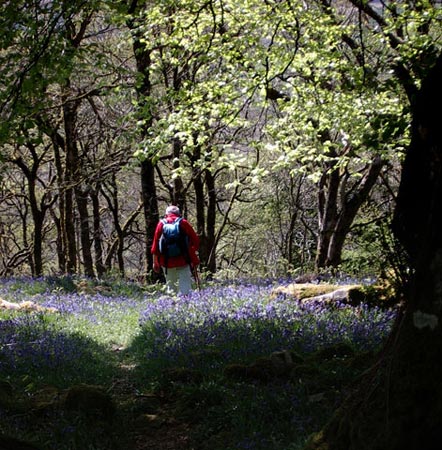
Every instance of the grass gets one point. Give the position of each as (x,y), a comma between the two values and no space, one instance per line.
(208,364)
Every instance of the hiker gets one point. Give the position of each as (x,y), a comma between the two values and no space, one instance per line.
(175,250)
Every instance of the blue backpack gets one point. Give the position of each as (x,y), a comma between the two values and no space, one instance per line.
(173,242)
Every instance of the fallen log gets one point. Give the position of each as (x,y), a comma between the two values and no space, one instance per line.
(24,306)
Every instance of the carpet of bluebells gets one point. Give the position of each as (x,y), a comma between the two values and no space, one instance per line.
(245,321)
(55,345)
(206,330)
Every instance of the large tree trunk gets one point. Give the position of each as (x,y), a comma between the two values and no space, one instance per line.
(399,403)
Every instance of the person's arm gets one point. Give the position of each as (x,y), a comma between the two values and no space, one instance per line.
(155,250)
(156,264)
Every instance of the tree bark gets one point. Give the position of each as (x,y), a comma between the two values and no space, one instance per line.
(347,214)
(68,223)
(57,145)
(38,212)
(98,242)
(147,173)
(327,214)
(150,210)
(398,405)
(178,192)
(211,241)
(205,216)
(85,234)
(338,209)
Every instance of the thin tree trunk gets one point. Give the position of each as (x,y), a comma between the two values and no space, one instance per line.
(57,144)
(295,196)
(348,212)
(37,213)
(178,193)
(116,244)
(68,219)
(85,234)
(98,243)
(150,210)
(211,240)
(198,186)
(147,173)
(327,214)
(338,209)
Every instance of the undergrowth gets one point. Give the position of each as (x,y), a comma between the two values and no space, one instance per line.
(206,361)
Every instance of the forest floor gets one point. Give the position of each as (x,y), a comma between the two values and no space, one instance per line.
(230,368)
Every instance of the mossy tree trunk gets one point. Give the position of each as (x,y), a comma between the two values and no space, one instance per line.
(398,405)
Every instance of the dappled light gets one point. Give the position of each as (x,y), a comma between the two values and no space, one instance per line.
(230,357)
(220,225)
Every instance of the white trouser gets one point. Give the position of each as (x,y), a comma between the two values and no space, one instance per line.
(178,280)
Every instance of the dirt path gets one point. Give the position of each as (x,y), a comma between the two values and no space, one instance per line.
(151,417)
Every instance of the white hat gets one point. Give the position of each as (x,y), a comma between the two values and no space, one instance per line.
(172,209)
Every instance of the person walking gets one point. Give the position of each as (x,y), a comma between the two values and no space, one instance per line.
(175,250)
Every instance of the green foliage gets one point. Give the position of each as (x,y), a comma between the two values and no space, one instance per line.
(244,91)
(39,53)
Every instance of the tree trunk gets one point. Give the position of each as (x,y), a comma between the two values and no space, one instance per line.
(338,209)
(85,234)
(205,219)
(327,214)
(68,222)
(211,222)
(57,144)
(198,186)
(150,209)
(98,243)
(114,206)
(399,403)
(147,174)
(347,214)
(38,213)
(178,192)
(288,249)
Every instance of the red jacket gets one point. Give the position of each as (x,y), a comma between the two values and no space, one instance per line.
(176,261)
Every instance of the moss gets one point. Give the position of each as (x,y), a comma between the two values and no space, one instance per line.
(305,290)
(382,294)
